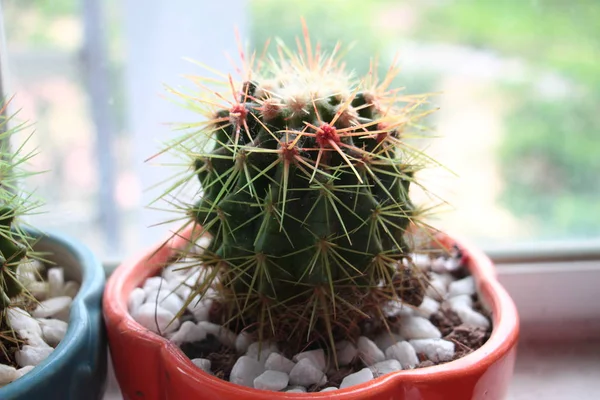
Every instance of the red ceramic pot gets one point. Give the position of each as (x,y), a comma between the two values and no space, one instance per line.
(149,367)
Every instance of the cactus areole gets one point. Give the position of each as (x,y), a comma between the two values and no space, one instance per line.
(305,176)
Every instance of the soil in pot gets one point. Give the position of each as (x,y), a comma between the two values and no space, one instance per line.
(449,324)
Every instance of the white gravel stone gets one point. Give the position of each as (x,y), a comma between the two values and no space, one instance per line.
(428,307)
(136,299)
(188,332)
(439,265)
(30,355)
(418,328)
(305,373)
(346,352)
(460,301)
(462,286)
(56,282)
(157,283)
(24,370)
(368,351)
(277,362)
(53,330)
(437,288)
(404,353)
(57,307)
(224,335)
(7,374)
(329,389)
(71,289)
(364,375)
(452,264)
(245,370)
(386,339)
(385,367)
(200,308)
(20,319)
(317,357)
(271,380)
(38,289)
(243,341)
(150,313)
(421,261)
(434,349)
(202,363)
(468,316)
(261,351)
(166,299)
(31,338)
(394,308)
(297,389)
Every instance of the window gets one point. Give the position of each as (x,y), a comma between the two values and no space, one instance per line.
(518,117)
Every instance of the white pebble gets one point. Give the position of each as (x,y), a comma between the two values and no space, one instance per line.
(166,299)
(136,299)
(394,308)
(468,316)
(202,363)
(421,261)
(57,307)
(53,330)
(317,357)
(243,341)
(418,328)
(451,264)
(155,318)
(157,283)
(404,353)
(277,362)
(245,370)
(56,281)
(31,338)
(436,350)
(428,307)
(385,367)
(305,373)
(460,301)
(20,319)
(224,335)
(368,351)
(462,286)
(7,374)
(386,339)
(297,389)
(24,370)
(200,308)
(271,380)
(38,289)
(329,389)
(346,352)
(261,351)
(439,265)
(188,332)
(364,375)
(30,355)
(437,288)
(71,289)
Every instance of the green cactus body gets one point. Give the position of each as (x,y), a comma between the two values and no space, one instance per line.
(305,195)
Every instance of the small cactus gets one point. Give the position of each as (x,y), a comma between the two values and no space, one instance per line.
(305,177)
(15,243)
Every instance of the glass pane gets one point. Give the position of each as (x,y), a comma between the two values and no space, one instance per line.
(518,113)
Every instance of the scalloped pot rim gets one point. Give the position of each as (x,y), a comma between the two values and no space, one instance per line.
(484,373)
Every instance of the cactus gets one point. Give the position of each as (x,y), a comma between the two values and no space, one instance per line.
(15,243)
(305,176)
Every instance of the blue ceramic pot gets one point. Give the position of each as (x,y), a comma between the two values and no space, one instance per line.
(76,369)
